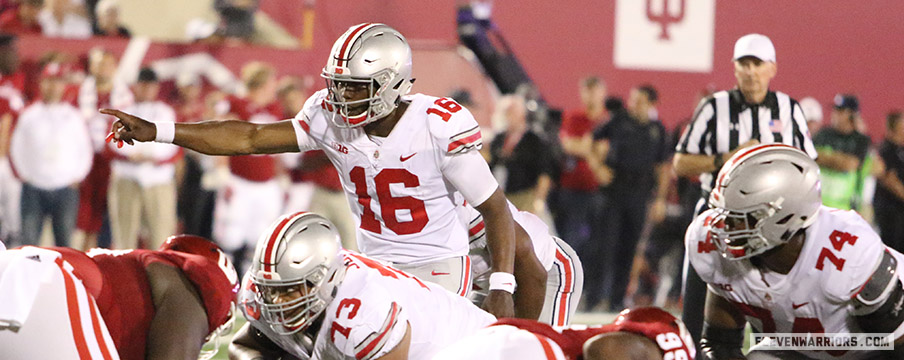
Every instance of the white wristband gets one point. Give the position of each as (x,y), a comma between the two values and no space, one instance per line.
(503,281)
(166,131)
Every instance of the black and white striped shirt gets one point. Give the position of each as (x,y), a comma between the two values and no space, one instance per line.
(724,120)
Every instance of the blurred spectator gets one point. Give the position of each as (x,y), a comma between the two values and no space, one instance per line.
(11,104)
(842,151)
(108,22)
(888,202)
(101,89)
(813,113)
(22,19)
(236,18)
(143,176)
(64,19)
(253,196)
(634,174)
(578,205)
(52,153)
(520,158)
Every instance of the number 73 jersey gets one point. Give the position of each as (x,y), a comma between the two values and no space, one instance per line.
(401,187)
(840,253)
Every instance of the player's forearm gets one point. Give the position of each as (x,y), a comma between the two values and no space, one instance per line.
(500,232)
(246,346)
(694,164)
(229,137)
(531,278)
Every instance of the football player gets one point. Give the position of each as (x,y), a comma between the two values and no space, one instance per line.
(402,161)
(642,333)
(774,256)
(121,304)
(564,272)
(307,297)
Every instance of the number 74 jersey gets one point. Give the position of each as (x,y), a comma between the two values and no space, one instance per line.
(840,253)
(401,188)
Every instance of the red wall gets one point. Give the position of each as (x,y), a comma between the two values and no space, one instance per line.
(823,46)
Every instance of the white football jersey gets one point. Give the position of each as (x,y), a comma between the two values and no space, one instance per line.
(397,186)
(372,309)
(368,316)
(839,255)
(543,243)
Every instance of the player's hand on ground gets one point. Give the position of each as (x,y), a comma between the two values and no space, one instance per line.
(129,128)
(500,304)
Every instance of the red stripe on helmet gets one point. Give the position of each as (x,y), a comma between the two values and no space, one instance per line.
(274,236)
(348,40)
(756,148)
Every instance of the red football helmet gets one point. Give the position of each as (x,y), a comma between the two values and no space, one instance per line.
(668,331)
(198,245)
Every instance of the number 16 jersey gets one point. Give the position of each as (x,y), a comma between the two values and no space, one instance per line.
(401,187)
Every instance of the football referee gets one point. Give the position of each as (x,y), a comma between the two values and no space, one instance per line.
(726,122)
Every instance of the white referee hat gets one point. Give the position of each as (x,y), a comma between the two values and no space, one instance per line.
(756,45)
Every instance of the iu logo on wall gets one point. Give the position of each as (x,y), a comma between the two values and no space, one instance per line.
(671,35)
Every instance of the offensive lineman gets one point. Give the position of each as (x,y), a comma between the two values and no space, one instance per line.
(402,160)
(116,304)
(769,251)
(306,296)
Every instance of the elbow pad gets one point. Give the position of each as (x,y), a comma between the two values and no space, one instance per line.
(879,305)
(719,343)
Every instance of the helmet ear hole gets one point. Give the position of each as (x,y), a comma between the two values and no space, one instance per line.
(785,219)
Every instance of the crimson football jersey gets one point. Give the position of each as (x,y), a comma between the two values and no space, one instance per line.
(119,284)
(254,167)
(662,328)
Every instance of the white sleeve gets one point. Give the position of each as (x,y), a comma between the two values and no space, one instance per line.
(305,141)
(471,176)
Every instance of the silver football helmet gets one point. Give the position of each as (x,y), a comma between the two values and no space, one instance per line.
(369,58)
(296,268)
(762,197)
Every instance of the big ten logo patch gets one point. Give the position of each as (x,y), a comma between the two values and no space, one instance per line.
(670,35)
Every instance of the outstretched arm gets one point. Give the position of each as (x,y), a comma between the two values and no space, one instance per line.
(230,137)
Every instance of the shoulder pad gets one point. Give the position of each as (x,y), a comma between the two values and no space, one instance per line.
(700,248)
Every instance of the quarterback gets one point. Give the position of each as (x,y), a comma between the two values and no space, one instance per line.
(402,161)
(774,256)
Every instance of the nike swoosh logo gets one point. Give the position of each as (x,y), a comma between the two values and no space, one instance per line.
(795,306)
(434,273)
(405,158)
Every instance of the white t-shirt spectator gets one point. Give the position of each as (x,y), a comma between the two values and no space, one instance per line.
(50,146)
(147,163)
(73,25)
